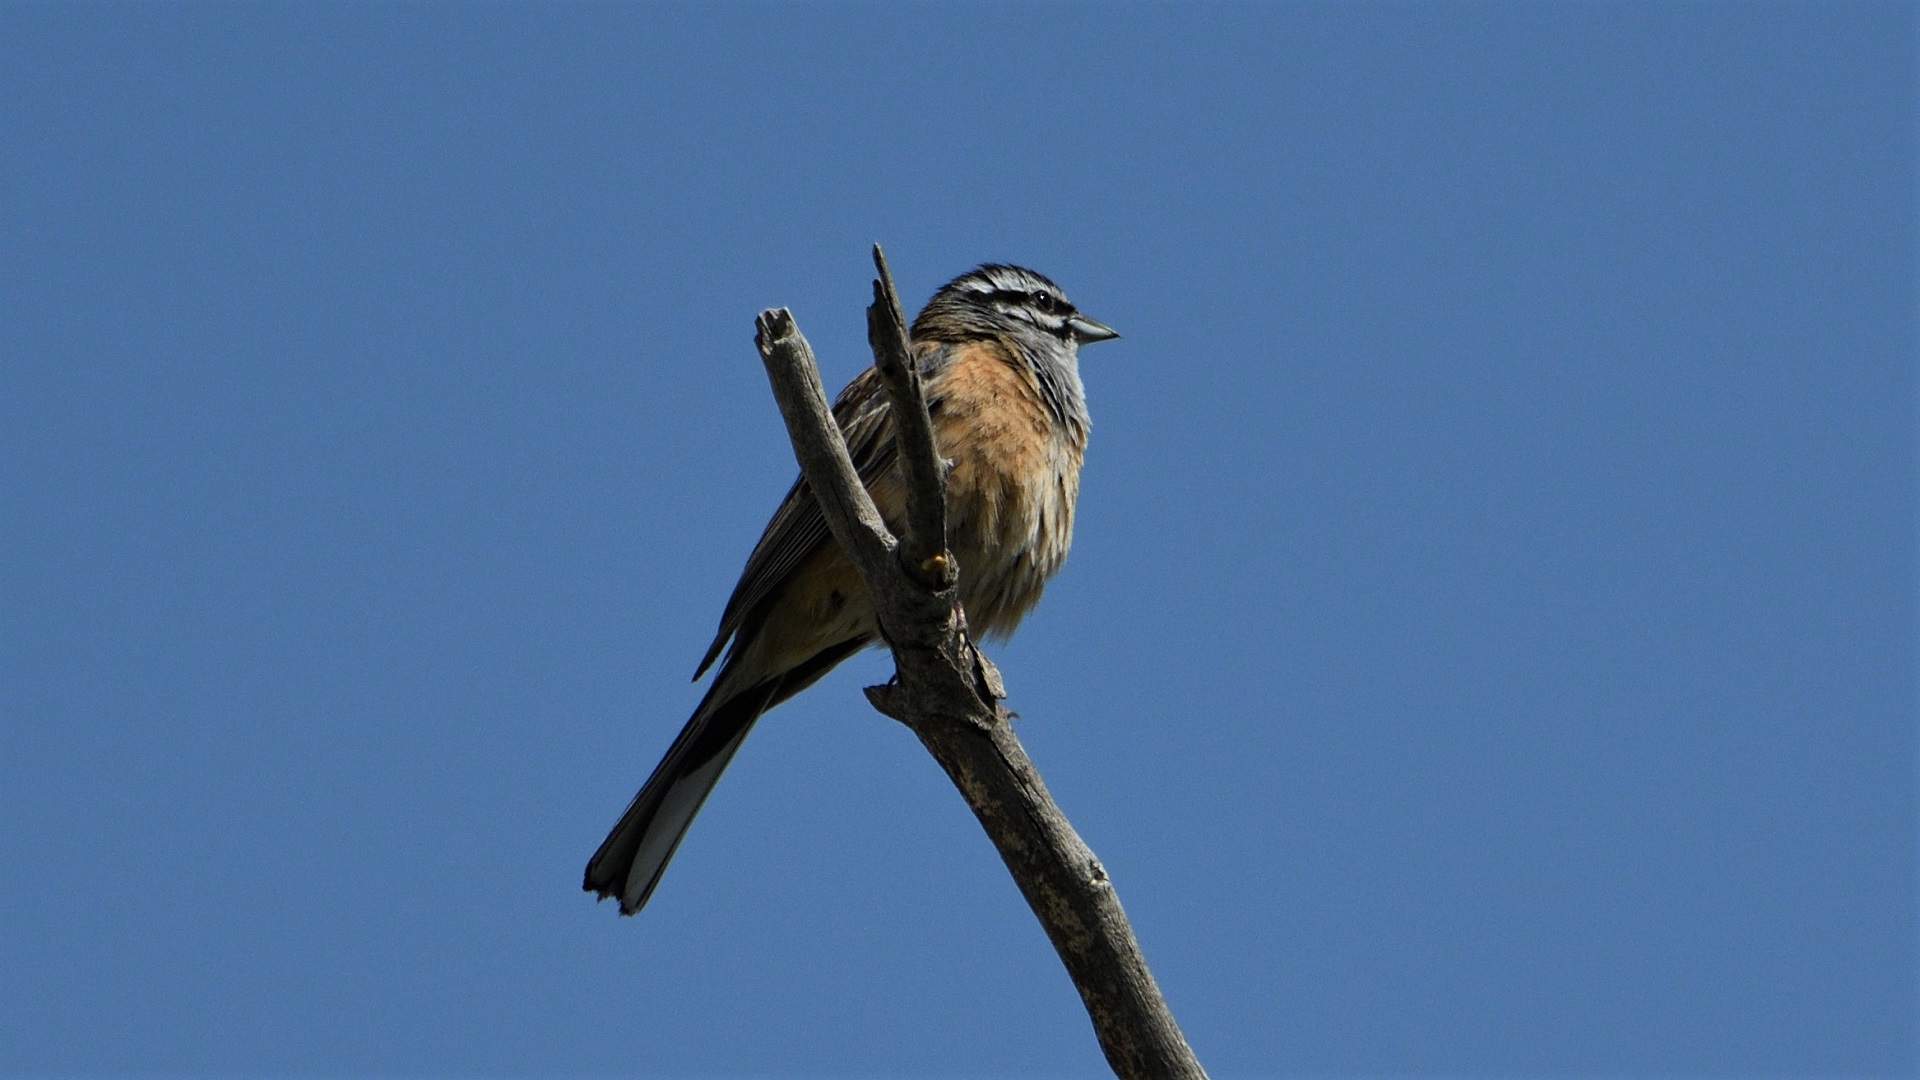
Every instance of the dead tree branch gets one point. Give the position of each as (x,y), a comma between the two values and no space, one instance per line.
(947,692)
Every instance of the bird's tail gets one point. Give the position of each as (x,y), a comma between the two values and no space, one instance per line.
(634,855)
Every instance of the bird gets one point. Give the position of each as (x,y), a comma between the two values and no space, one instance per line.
(998,353)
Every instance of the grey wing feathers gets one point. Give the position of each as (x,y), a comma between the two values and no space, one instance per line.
(798,528)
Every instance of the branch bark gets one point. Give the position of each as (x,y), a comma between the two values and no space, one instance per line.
(947,692)
(924,548)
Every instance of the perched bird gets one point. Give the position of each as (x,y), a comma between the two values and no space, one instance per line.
(998,355)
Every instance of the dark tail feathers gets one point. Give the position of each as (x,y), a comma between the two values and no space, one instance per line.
(634,855)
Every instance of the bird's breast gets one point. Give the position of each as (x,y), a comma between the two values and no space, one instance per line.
(1011,487)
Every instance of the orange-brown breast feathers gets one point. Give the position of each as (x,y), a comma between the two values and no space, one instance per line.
(1010,491)
(1012,485)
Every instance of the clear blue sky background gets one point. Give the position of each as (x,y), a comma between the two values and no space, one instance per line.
(1489,647)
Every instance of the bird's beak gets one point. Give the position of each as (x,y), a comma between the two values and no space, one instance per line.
(1086,330)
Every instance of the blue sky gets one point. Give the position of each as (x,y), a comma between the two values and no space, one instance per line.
(1488,648)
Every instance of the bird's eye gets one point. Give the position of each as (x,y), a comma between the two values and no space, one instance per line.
(1045,302)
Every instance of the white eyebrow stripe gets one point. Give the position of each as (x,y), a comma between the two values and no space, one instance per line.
(1018,284)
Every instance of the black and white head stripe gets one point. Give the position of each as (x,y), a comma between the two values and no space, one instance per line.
(1021,293)
(997,297)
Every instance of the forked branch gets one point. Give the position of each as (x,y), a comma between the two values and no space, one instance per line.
(947,692)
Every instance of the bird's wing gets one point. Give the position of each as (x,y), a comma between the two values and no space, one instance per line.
(798,528)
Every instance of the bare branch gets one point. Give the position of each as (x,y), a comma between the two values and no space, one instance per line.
(1062,880)
(818,445)
(947,692)
(923,550)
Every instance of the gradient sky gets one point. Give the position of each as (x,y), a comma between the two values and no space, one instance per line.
(1488,649)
